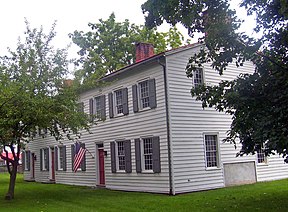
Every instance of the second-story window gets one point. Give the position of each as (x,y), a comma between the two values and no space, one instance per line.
(118,102)
(144,95)
(198,77)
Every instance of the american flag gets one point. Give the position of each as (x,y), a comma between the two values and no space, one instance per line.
(79,154)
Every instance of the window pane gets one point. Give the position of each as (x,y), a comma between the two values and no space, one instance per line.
(260,156)
(211,150)
(98,106)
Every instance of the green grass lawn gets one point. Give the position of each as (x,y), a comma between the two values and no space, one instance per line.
(30,196)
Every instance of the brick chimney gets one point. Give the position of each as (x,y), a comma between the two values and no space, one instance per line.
(143,51)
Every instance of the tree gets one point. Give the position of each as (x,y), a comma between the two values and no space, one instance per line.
(33,96)
(257,102)
(110,45)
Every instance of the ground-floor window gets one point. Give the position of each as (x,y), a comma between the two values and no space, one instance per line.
(211,151)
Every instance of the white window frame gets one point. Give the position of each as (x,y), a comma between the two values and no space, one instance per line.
(44,160)
(194,77)
(98,108)
(115,102)
(60,165)
(139,94)
(143,165)
(117,156)
(217,151)
(259,154)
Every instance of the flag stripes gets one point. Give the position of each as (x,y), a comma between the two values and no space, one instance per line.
(79,155)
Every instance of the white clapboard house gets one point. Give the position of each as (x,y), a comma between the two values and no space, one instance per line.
(155,137)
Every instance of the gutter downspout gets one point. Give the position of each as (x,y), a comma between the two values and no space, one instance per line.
(171,190)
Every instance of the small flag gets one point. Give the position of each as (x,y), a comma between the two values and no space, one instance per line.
(79,154)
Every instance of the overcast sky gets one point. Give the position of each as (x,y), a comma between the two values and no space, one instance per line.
(70,15)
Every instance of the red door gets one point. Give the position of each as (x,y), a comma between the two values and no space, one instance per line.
(101,167)
(52,166)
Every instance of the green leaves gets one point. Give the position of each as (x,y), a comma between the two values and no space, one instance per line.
(32,93)
(257,102)
(110,45)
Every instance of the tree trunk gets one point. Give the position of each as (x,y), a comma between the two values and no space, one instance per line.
(13,174)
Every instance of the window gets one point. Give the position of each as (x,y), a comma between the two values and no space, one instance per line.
(118,103)
(26,160)
(211,151)
(60,157)
(100,107)
(147,154)
(44,159)
(197,77)
(121,156)
(261,158)
(144,95)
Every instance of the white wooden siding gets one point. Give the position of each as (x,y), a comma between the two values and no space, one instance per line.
(135,125)
(188,122)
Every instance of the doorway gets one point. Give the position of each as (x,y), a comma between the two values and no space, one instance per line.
(101,165)
(52,172)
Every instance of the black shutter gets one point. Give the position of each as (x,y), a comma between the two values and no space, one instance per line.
(91,109)
(135,98)
(41,159)
(63,149)
(83,162)
(138,155)
(103,107)
(110,100)
(56,157)
(125,101)
(127,150)
(23,160)
(47,159)
(72,155)
(152,93)
(113,157)
(28,159)
(156,154)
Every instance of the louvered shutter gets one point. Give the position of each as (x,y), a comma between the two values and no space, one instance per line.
(72,155)
(125,101)
(83,162)
(127,149)
(103,107)
(110,101)
(47,159)
(156,154)
(152,93)
(91,109)
(135,98)
(138,155)
(113,157)
(64,158)
(41,159)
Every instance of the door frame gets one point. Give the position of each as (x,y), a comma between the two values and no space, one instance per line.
(99,146)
